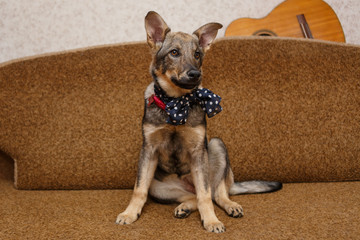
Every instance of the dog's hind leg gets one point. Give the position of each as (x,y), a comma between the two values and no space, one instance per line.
(174,189)
(221,178)
(188,205)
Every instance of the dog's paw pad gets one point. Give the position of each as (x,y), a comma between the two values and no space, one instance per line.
(216,227)
(123,218)
(182,212)
(235,211)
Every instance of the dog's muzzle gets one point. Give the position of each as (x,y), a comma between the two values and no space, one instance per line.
(192,80)
(194,75)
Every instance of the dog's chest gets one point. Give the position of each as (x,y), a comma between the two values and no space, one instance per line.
(174,155)
(175,146)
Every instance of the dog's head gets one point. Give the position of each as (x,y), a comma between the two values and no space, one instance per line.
(177,57)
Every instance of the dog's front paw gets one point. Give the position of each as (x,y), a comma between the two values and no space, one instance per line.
(235,211)
(125,218)
(217,227)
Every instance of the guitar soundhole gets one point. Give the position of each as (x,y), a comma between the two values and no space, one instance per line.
(264,33)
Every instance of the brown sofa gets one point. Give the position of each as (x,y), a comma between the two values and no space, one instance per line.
(70,135)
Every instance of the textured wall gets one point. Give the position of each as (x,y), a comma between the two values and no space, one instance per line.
(40,26)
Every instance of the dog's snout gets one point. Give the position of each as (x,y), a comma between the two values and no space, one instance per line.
(194,74)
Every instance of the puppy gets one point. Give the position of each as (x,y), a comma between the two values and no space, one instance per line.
(177,163)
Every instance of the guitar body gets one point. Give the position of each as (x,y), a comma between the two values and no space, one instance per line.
(282,21)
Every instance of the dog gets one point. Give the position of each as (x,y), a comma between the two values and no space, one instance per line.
(177,163)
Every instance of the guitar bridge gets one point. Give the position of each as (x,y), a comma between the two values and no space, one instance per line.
(305,29)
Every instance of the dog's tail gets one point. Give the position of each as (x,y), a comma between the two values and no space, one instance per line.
(254,187)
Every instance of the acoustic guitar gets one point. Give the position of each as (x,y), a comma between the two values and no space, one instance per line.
(293,18)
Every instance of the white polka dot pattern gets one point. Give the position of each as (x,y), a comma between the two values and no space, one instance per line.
(177,108)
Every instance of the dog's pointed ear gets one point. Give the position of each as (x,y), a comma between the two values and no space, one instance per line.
(207,34)
(156,28)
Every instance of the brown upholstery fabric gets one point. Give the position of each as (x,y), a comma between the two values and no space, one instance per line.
(291,112)
(298,211)
(73,121)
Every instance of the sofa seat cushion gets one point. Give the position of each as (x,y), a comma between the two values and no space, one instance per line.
(298,211)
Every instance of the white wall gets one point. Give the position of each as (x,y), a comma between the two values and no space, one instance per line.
(29,27)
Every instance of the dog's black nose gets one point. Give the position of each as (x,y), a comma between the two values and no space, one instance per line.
(194,74)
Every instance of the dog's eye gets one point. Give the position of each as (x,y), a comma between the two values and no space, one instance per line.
(174,53)
(197,55)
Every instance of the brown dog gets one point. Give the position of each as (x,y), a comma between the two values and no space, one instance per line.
(177,164)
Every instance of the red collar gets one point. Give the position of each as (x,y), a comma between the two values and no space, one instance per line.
(154,99)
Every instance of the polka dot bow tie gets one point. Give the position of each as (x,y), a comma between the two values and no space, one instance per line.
(178,108)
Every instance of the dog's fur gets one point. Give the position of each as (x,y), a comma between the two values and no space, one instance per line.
(177,164)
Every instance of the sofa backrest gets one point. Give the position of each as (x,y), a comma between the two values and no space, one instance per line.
(291,112)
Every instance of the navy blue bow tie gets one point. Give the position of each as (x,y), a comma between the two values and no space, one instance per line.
(178,108)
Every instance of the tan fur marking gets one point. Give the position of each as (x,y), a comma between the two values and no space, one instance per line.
(158,135)
(193,136)
(168,86)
